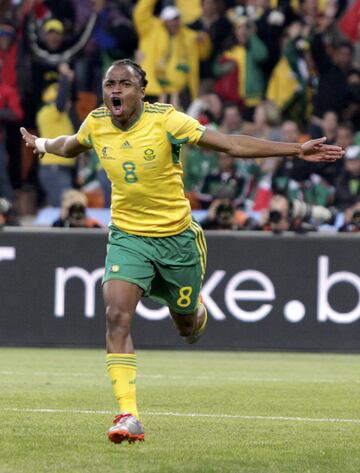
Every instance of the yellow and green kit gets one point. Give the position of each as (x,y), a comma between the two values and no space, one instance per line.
(153,241)
(168,269)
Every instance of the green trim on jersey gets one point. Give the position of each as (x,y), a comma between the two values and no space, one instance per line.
(101,112)
(87,141)
(176,146)
(134,122)
(151,108)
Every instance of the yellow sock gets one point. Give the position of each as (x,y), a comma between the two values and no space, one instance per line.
(122,371)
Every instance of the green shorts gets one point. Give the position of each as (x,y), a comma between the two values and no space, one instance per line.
(168,269)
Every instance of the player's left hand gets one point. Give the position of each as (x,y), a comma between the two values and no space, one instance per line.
(318,151)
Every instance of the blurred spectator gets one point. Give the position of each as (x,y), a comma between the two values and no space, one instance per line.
(113,37)
(290,172)
(247,55)
(92,178)
(169,53)
(327,126)
(271,19)
(73,212)
(292,79)
(321,20)
(8,54)
(299,179)
(344,135)
(226,182)
(207,108)
(347,184)
(7,216)
(258,172)
(352,218)
(51,46)
(190,11)
(284,215)
(10,112)
(266,122)
(344,138)
(48,50)
(199,162)
(56,174)
(218,28)
(221,216)
(290,132)
(333,89)
(351,111)
(231,122)
(277,217)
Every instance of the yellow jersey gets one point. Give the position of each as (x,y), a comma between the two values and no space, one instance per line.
(143,165)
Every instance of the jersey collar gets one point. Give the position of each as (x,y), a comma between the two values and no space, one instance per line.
(132,124)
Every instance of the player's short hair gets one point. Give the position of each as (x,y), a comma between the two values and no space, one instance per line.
(141,74)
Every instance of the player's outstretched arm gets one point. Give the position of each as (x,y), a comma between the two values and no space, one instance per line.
(65,146)
(243,146)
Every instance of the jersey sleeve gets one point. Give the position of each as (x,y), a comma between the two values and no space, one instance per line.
(84,133)
(182,128)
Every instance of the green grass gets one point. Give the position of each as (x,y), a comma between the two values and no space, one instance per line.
(289,400)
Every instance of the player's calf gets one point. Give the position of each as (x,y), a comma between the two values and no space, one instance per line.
(191,326)
(200,326)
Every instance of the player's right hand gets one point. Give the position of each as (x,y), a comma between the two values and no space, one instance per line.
(29,140)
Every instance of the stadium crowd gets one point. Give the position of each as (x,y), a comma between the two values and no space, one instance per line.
(284,70)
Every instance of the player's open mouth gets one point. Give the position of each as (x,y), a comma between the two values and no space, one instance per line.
(117,106)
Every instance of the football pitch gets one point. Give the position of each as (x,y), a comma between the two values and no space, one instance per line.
(204,412)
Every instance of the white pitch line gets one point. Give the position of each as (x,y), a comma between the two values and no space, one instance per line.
(179,377)
(184,414)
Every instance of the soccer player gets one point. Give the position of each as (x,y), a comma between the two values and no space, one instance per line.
(155,248)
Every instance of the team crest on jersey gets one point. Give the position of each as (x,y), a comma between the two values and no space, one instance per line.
(115,268)
(149,154)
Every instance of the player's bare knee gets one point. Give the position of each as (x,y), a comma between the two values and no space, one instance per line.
(118,320)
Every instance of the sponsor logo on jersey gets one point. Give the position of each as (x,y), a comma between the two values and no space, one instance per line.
(126,145)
